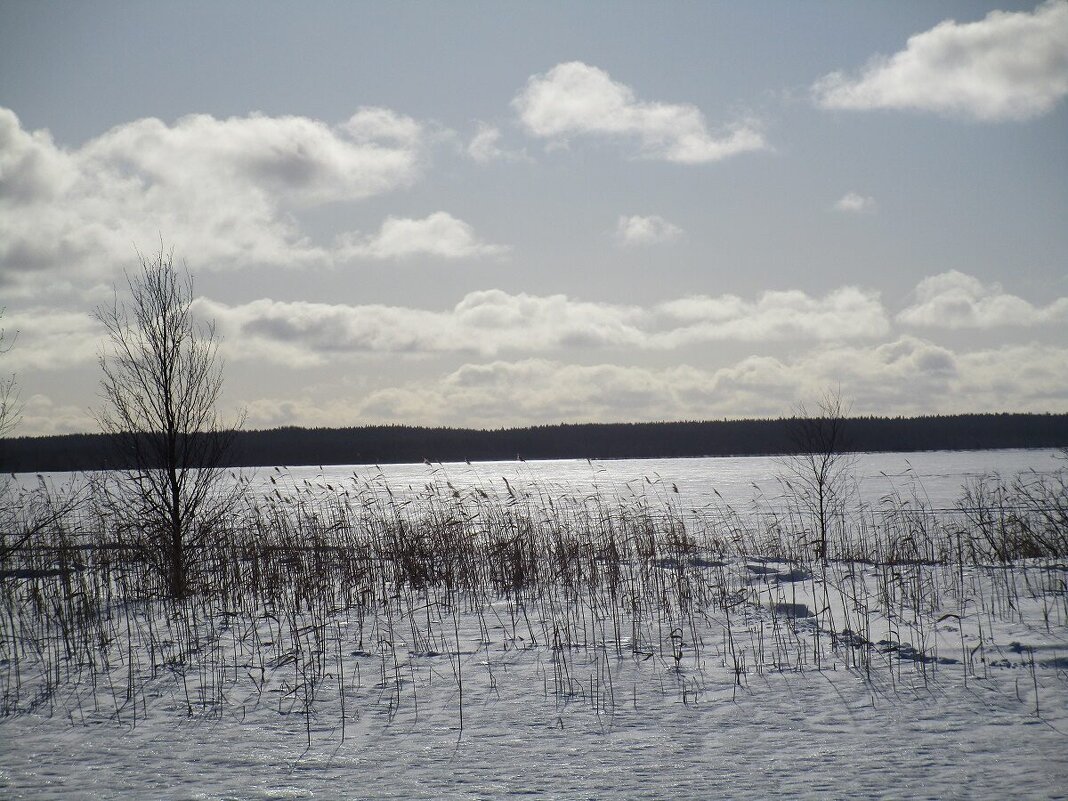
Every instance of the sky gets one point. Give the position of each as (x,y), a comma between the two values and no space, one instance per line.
(494,214)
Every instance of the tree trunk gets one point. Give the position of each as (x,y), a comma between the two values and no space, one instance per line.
(176,568)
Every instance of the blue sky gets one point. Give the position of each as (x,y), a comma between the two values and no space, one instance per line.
(493,214)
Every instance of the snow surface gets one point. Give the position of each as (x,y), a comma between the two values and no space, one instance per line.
(945,707)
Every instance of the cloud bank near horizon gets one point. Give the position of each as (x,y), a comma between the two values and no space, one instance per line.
(515,346)
(912,375)
(492,322)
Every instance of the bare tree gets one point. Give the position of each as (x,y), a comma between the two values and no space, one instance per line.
(818,471)
(161,385)
(10,407)
(9,416)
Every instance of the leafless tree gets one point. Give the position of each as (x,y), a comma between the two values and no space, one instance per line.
(10,407)
(9,416)
(161,386)
(819,470)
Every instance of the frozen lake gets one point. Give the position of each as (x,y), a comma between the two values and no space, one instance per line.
(935,476)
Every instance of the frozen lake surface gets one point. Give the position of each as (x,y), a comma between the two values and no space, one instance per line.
(935,476)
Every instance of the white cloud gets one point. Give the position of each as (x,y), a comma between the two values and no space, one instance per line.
(576,99)
(222,188)
(846,313)
(372,125)
(42,415)
(905,376)
(484,146)
(651,230)
(51,339)
(485,322)
(501,393)
(1027,377)
(956,300)
(439,234)
(1008,66)
(914,376)
(854,203)
(491,322)
(263,413)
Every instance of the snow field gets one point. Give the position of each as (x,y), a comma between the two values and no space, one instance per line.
(473,647)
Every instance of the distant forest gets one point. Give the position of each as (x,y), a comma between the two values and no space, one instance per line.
(399,444)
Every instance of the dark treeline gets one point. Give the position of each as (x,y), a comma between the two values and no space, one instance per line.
(397,444)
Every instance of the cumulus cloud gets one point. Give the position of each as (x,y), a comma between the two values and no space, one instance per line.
(854,203)
(492,322)
(1008,66)
(956,300)
(51,339)
(485,147)
(42,415)
(845,313)
(274,412)
(372,125)
(651,230)
(909,375)
(502,393)
(439,234)
(485,322)
(223,188)
(905,376)
(576,99)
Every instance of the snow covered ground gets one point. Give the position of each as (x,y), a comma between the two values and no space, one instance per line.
(938,682)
